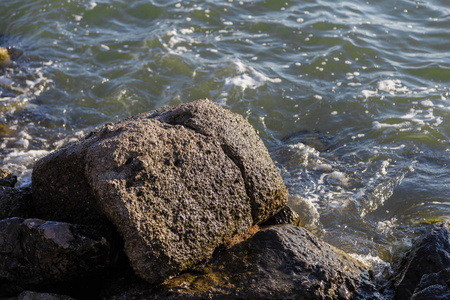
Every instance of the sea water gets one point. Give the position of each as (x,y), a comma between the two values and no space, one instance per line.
(350,97)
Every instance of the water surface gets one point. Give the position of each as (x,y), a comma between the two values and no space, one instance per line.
(350,97)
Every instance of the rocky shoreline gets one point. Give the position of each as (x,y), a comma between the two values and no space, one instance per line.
(182,203)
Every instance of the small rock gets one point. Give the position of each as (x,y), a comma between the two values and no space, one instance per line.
(35,253)
(7,178)
(434,286)
(285,216)
(429,255)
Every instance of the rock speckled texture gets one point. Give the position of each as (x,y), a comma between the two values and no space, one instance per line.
(434,286)
(429,255)
(176,183)
(284,262)
(172,193)
(241,143)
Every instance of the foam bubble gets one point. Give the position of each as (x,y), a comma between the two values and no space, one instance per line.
(378,125)
(392,86)
(427,103)
(339,178)
(91,5)
(104,47)
(249,78)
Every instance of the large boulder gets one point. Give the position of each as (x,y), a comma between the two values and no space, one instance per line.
(177,183)
(429,255)
(36,253)
(277,263)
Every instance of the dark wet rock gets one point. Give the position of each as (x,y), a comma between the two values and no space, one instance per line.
(177,183)
(37,253)
(285,216)
(7,178)
(60,187)
(15,202)
(435,286)
(429,255)
(29,295)
(277,263)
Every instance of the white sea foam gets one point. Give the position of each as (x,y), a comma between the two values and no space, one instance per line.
(20,162)
(376,264)
(248,78)
(185,31)
(387,226)
(392,86)
(179,38)
(338,178)
(369,93)
(378,125)
(427,103)
(104,47)
(91,5)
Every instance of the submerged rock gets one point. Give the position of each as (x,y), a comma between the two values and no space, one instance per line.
(277,263)
(35,253)
(177,183)
(428,257)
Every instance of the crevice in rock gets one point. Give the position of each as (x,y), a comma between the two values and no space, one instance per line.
(182,120)
(248,190)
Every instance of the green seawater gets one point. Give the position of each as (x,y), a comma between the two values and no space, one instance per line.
(350,97)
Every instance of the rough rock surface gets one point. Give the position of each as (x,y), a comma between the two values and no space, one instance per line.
(15,202)
(285,216)
(434,286)
(284,262)
(176,183)
(241,143)
(172,193)
(7,178)
(35,252)
(428,255)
